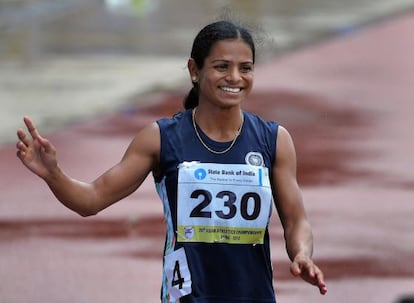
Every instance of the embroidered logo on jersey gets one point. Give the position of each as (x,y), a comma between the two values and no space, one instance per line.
(254,159)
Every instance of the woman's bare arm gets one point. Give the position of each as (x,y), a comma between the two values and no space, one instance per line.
(39,156)
(288,197)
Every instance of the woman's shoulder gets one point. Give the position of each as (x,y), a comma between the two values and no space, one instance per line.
(258,121)
(175,119)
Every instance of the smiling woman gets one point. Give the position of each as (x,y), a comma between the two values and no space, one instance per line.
(218,171)
(227,74)
(232,58)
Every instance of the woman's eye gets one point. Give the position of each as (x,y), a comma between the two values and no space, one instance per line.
(221,67)
(246,68)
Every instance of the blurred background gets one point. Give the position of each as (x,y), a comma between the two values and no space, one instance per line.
(62,60)
(33,29)
(90,73)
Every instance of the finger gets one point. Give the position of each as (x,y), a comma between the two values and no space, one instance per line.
(31,128)
(295,269)
(311,271)
(21,146)
(47,146)
(323,289)
(321,283)
(20,154)
(23,138)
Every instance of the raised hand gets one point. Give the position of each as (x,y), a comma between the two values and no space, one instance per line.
(36,152)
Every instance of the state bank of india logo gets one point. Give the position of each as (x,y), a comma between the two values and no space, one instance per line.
(254,159)
(200,174)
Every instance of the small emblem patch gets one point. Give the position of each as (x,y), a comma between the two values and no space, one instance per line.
(255,159)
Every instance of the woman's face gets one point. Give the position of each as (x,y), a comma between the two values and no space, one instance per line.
(227,76)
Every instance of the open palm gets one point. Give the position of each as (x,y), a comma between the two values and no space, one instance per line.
(36,153)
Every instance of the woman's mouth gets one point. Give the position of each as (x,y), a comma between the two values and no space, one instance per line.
(230,89)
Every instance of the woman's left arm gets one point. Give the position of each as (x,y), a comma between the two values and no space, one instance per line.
(288,200)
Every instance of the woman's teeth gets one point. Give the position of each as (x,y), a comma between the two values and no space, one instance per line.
(231,89)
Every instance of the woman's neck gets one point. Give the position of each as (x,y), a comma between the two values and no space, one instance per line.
(219,124)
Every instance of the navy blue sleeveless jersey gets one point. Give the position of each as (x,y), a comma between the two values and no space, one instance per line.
(220,272)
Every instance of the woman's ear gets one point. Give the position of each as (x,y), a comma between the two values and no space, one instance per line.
(193,70)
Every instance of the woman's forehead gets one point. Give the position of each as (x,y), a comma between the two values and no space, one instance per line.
(230,49)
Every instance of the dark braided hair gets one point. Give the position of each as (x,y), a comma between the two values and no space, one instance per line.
(204,41)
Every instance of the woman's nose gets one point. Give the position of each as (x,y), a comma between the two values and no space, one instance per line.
(233,75)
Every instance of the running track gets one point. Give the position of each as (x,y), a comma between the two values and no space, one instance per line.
(348,103)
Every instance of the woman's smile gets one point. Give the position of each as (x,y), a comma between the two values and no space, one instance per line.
(231,89)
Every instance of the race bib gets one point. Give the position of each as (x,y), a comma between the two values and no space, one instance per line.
(177,274)
(224,203)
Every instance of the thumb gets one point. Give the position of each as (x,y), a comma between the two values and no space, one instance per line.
(295,269)
(45,143)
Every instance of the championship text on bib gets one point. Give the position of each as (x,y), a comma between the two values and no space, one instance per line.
(224,203)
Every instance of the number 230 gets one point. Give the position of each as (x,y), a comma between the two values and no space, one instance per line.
(229,201)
